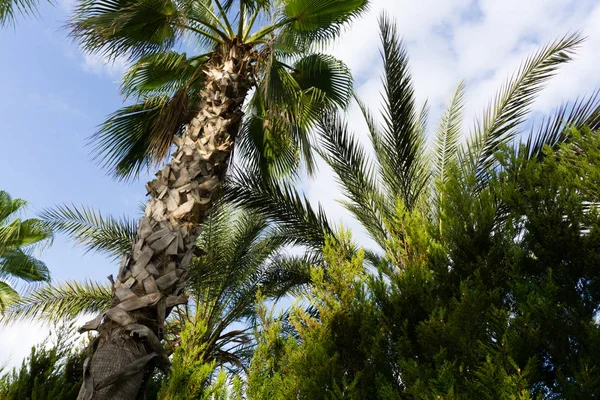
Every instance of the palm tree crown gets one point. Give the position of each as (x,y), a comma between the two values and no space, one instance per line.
(18,239)
(293,81)
(405,170)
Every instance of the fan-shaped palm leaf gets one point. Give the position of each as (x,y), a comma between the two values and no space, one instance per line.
(10,10)
(314,21)
(18,239)
(136,27)
(162,74)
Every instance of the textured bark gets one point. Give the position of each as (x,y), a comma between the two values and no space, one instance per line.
(152,278)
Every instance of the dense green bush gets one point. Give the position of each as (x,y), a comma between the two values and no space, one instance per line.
(498,301)
(52,371)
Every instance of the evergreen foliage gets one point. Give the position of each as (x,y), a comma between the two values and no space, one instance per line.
(487,282)
(499,302)
(52,371)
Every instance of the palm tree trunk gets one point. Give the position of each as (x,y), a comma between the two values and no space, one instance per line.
(152,278)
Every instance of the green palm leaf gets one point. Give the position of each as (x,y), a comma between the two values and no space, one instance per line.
(18,240)
(290,101)
(57,302)
(126,27)
(109,235)
(7,296)
(289,274)
(11,9)
(19,264)
(281,204)
(356,174)
(500,121)
(402,141)
(317,21)
(138,136)
(555,129)
(324,74)
(448,135)
(161,74)
(265,146)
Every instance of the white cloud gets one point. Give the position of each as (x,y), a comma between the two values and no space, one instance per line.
(17,341)
(19,338)
(101,66)
(68,5)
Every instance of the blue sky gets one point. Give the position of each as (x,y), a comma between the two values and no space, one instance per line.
(52,100)
(53,97)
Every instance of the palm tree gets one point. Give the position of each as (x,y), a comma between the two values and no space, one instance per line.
(195,102)
(241,255)
(405,169)
(18,239)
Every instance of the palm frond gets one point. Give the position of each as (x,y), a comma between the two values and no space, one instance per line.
(10,10)
(266,147)
(280,203)
(18,240)
(57,302)
(8,296)
(250,5)
(15,232)
(231,244)
(16,263)
(133,28)
(289,274)
(372,126)
(327,75)
(402,141)
(160,74)
(500,121)
(137,136)
(168,124)
(205,24)
(555,129)
(91,229)
(9,206)
(278,86)
(25,233)
(355,173)
(448,135)
(315,22)
(286,107)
